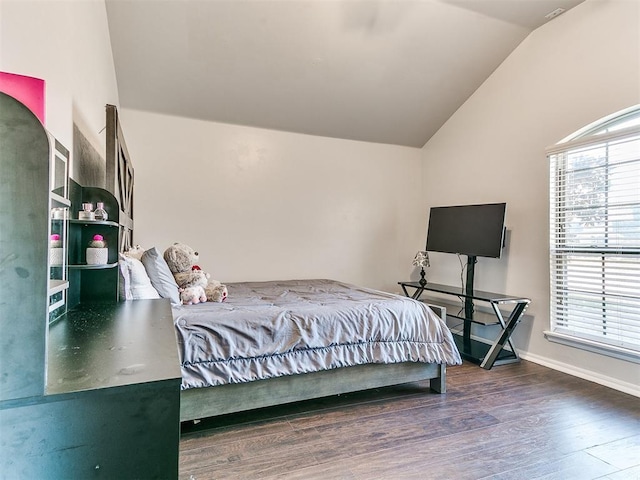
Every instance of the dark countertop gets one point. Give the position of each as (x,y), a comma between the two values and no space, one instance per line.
(104,345)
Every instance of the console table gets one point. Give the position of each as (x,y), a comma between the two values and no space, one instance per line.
(485,354)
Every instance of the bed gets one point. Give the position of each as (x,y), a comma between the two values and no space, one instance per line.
(273,343)
(284,341)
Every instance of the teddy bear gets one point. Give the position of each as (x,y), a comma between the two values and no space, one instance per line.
(192,295)
(182,261)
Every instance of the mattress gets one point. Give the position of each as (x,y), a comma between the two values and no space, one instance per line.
(270,329)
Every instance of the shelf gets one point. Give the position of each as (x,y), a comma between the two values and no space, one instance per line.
(56,305)
(88,223)
(479,316)
(84,266)
(480,295)
(57,295)
(475,352)
(88,282)
(56,286)
(59,200)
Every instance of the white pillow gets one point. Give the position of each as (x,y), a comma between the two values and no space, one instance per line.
(138,285)
(124,285)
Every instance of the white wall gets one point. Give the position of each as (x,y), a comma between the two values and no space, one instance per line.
(67,44)
(265,205)
(568,73)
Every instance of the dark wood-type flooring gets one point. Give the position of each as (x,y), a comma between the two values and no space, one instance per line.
(518,421)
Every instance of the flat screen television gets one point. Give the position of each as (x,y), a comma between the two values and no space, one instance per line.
(472,230)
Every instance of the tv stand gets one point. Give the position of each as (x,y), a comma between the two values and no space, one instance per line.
(485,354)
(468,300)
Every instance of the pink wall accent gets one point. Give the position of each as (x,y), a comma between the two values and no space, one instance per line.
(28,90)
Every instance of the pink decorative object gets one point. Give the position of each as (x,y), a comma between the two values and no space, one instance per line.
(56,242)
(98,242)
(97,251)
(28,90)
(56,251)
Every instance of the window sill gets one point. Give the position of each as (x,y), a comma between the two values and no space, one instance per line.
(595,347)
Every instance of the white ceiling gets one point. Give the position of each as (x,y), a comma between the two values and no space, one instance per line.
(387,71)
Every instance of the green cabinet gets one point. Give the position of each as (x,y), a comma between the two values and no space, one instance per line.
(89,386)
(112,403)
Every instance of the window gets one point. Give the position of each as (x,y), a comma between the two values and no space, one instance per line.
(595,237)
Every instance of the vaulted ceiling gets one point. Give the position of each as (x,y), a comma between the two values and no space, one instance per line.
(386,71)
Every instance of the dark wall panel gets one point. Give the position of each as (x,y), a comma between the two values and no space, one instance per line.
(89,168)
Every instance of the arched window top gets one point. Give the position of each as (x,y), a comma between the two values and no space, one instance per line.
(617,125)
(627,118)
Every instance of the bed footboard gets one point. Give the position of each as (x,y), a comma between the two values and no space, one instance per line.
(197,403)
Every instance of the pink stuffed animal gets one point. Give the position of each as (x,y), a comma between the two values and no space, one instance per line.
(192,295)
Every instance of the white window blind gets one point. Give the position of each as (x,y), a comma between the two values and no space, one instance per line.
(595,235)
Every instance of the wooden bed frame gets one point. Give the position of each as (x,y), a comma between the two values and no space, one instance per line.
(200,403)
(197,403)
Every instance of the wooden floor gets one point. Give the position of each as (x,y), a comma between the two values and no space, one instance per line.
(519,421)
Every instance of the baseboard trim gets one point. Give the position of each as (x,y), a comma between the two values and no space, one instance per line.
(625,387)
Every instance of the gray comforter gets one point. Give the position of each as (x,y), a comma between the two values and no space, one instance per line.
(270,329)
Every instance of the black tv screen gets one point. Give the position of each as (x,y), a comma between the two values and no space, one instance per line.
(473,230)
